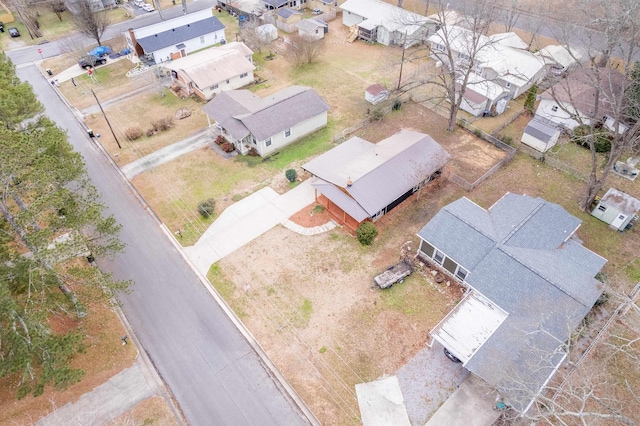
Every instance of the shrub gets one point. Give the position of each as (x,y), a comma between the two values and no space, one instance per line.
(291,175)
(318,208)
(220,140)
(133,133)
(530,101)
(581,134)
(150,132)
(366,233)
(227,147)
(206,207)
(162,124)
(397,104)
(377,114)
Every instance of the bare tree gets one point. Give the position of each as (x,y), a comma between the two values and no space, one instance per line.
(58,7)
(28,16)
(90,23)
(302,51)
(611,53)
(510,14)
(251,36)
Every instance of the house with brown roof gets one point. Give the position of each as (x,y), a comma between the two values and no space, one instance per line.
(270,123)
(360,181)
(572,101)
(213,70)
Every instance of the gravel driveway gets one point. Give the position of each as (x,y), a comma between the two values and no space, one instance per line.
(427,380)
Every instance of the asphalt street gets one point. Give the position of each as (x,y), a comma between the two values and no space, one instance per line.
(209,366)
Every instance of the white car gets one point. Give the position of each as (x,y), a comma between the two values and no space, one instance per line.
(147,7)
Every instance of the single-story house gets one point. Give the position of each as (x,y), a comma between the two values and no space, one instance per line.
(360,181)
(312,29)
(176,38)
(288,15)
(540,134)
(213,70)
(559,59)
(571,101)
(530,282)
(500,58)
(384,23)
(482,96)
(617,208)
(376,93)
(270,123)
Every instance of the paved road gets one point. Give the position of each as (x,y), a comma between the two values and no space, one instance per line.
(213,372)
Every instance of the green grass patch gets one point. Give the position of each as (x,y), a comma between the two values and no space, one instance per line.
(226,289)
(322,349)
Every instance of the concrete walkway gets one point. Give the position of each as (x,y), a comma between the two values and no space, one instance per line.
(248,219)
(168,153)
(105,402)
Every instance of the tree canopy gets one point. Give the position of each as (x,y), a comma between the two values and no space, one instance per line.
(51,218)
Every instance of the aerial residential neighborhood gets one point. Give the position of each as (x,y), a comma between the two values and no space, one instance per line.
(320,212)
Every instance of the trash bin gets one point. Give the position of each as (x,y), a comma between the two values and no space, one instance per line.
(91,134)
(49,72)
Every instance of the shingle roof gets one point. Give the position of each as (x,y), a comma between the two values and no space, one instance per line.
(389,16)
(522,256)
(287,12)
(180,34)
(541,130)
(243,113)
(380,173)
(309,25)
(275,3)
(623,202)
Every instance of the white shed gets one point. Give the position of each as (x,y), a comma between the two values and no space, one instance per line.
(618,209)
(540,134)
(376,93)
(267,32)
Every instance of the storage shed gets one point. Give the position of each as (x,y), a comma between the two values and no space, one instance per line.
(376,93)
(540,134)
(618,209)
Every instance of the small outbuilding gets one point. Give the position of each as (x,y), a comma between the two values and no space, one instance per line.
(312,29)
(618,209)
(540,134)
(267,33)
(376,93)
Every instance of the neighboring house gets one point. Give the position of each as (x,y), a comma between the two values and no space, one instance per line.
(376,93)
(500,58)
(270,123)
(559,60)
(529,281)
(617,209)
(276,4)
(211,71)
(483,97)
(288,16)
(312,29)
(540,134)
(571,101)
(360,181)
(176,38)
(384,23)
(96,5)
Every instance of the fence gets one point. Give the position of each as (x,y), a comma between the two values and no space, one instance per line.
(378,113)
(287,28)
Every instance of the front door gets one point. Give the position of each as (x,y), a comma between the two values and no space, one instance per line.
(618,221)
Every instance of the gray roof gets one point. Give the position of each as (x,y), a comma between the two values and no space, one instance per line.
(275,3)
(287,12)
(522,256)
(623,202)
(541,130)
(309,25)
(180,34)
(243,113)
(379,173)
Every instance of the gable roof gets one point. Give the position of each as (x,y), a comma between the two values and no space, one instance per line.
(387,15)
(521,256)
(309,25)
(287,12)
(378,173)
(179,34)
(275,3)
(211,66)
(243,113)
(562,55)
(621,201)
(376,89)
(541,129)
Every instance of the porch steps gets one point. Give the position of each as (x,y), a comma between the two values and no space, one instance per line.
(353,34)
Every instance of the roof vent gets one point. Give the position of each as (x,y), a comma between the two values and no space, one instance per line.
(349,182)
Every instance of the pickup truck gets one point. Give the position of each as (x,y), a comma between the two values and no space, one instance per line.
(394,274)
(91,61)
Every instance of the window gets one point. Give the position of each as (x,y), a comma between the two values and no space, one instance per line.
(287,132)
(465,57)
(244,74)
(440,47)
(508,85)
(253,139)
(214,87)
(201,39)
(438,256)
(602,208)
(461,273)
(267,141)
(227,81)
(554,108)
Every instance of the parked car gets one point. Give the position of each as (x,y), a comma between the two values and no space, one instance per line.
(100,51)
(1,27)
(147,7)
(91,61)
(13,32)
(316,11)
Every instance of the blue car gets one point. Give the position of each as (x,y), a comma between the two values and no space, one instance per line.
(100,51)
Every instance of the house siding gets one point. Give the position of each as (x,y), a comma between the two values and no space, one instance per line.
(298,131)
(234,83)
(537,144)
(349,19)
(164,55)
(561,117)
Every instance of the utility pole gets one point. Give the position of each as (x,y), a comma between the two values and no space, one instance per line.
(106,119)
(404,48)
(159,9)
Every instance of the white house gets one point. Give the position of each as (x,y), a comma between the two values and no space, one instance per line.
(500,58)
(559,59)
(540,134)
(213,70)
(384,23)
(482,96)
(312,29)
(176,38)
(376,93)
(571,101)
(617,208)
(270,123)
